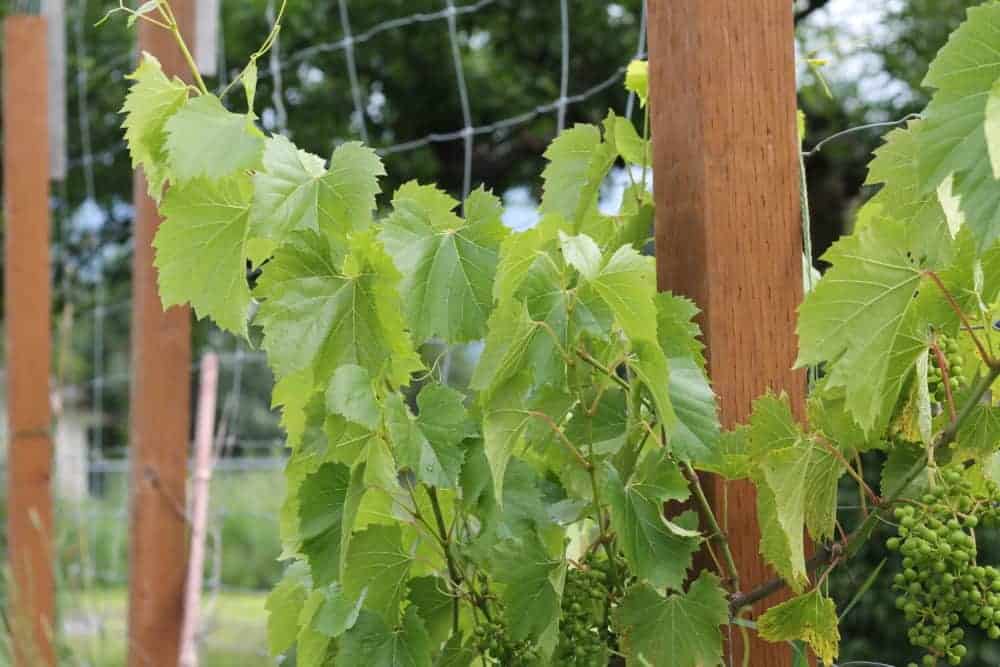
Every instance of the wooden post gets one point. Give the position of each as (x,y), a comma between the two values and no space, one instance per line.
(200,489)
(728,230)
(27,301)
(160,420)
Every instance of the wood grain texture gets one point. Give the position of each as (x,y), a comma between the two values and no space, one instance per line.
(28,330)
(728,229)
(160,421)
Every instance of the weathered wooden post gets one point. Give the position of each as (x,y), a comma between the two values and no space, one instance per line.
(27,293)
(728,230)
(160,403)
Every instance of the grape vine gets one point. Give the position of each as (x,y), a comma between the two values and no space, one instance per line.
(520,520)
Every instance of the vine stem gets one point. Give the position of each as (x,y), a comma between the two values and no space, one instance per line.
(987,358)
(168,13)
(862,484)
(587,465)
(945,377)
(456,578)
(845,548)
(718,535)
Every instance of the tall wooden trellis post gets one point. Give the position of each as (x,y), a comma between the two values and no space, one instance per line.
(160,419)
(728,227)
(27,292)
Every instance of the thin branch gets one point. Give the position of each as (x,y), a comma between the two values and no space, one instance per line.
(562,437)
(987,359)
(945,377)
(718,535)
(453,575)
(850,469)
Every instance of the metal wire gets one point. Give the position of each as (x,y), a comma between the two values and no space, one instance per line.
(352,70)
(463,95)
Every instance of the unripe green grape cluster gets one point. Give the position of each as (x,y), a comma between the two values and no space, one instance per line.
(493,641)
(935,375)
(941,585)
(582,642)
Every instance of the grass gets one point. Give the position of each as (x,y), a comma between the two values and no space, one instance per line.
(234,627)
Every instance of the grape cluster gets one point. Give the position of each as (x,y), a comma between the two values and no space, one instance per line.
(935,376)
(493,641)
(941,584)
(582,642)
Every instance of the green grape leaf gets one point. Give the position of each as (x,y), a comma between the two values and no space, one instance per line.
(521,510)
(312,647)
(677,331)
(604,432)
(350,394)
(578,163)
(828,416)
(372,643)
(346,439)
(862,317)
(802,471)
(431,597)
(151,101)
(773,429)
(980,433)
(654,552)
(532,575)
(249,81)
(321,498)
(582,253)
(621,133)
(307,456)
(291,393)
(811,618)
(637,80)
(204,140)
(284,604)
(627,283)
(511,333)
(505,421)
(443,417)
(201,249)
(448,264)
(901,459)
(695,434)
(378,565)
(329,612)
(680,630)
(428,445)
(519,251)
(971,280)
(456,654)
(731,458)
(354,313)
(804,480)
(295,191)
(652,368)
(896,168)
(954,141)
(780,549)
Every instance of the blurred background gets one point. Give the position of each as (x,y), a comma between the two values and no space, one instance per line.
(386,72)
